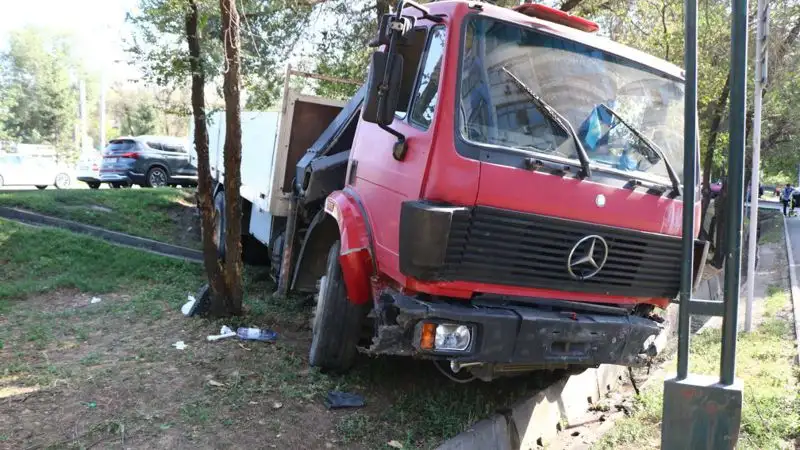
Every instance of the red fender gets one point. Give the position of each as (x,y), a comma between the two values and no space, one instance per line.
(355,255)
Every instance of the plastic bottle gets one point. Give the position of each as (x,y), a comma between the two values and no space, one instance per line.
(256,334)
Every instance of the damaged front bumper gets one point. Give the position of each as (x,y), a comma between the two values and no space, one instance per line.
(504,333)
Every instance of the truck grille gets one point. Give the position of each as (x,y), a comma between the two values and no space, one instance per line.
(497,246)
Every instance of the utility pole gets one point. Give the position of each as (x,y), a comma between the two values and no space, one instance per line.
(760,81)
(82,113)
(102,126)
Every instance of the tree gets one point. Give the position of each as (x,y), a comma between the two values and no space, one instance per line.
(138,119)
(232,301)
(39,101)
(210,258)
(271,30)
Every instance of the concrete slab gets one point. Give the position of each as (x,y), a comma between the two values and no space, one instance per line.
(488,434)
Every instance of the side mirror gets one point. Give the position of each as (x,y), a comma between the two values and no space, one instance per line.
(379,107)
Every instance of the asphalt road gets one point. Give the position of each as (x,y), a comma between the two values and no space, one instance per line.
(793,227)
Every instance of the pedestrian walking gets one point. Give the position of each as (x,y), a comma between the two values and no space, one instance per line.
(786,197)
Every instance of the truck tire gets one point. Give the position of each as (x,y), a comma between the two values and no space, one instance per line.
(336,325)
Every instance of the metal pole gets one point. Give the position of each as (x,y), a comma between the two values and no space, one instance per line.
(754,177)
(102,126)
(689,190)
(734,203)
(82,112)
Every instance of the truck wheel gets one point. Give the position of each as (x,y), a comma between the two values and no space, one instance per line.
(41,187)
(219,223)
(337,323)
(94,185)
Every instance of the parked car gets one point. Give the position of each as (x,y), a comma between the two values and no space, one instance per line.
(149,161)
(88,169)
(22,170)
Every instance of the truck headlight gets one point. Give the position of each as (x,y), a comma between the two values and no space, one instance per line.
(452,337)
(446,337)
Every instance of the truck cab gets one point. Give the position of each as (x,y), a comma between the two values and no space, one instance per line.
(504,194)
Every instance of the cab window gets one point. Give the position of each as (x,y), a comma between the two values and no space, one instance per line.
(427,92)
(411,49)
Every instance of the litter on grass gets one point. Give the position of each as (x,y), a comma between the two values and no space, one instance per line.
(186,309)
(180,345)
(337,400)
(95,300)
(224,332)
(256,334)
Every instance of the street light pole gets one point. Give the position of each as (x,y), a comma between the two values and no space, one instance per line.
(760,80)
(102,131)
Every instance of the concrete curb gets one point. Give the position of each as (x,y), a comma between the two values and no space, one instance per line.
(114,237)
(794,290)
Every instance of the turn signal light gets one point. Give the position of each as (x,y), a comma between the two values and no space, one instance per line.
(428,336)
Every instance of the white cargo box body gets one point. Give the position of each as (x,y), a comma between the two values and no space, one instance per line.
(259,135)
(272,143)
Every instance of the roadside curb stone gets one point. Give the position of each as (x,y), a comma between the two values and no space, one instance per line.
(161,248)
(794,290)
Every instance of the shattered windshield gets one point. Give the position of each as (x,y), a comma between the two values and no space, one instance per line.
(612,103)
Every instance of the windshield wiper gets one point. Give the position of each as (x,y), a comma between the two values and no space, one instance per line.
(555,116)
(673,176)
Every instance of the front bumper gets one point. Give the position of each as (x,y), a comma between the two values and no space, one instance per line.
(506,333)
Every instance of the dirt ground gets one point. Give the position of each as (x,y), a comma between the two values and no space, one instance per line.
(81,375)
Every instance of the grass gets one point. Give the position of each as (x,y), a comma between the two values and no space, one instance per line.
(160,214)
(117,356)
(764,360)
(771,226)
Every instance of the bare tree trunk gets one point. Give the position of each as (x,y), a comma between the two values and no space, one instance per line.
(233,158)
(717,110)
(204,182)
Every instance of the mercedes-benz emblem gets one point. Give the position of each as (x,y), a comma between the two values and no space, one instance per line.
(587,257)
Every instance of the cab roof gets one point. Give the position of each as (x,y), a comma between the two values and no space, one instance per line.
(451,8)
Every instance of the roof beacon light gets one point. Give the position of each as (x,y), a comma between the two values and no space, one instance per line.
(557,16)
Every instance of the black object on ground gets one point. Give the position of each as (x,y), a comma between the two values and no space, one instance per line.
(202,301)
(338,400)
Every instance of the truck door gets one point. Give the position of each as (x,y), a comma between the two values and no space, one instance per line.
(381,182)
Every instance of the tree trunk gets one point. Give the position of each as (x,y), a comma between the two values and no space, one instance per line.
(717,111)
(204,182)
(233,158)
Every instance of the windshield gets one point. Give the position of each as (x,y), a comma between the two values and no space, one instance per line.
(615,105)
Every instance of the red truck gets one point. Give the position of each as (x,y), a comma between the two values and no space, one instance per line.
(502,195)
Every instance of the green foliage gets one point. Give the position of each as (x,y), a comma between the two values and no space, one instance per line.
(342,50)
(270,32)
(38,96)
(138,119)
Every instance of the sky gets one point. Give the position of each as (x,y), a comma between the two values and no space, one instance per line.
(98,25)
